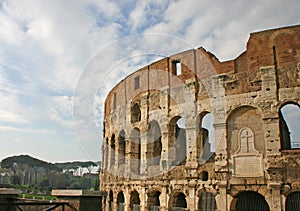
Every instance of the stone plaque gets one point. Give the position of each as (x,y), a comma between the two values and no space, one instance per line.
(248,165)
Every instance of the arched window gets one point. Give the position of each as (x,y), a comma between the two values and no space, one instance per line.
(177,133)
(154,145)
(111,201)
(153,200)
(120,201)
(208,136)
(204,175)
(289,126)
(113,152)
(122,147)
(105,148)
(180,201)
(134,200)
(292,201)
(135,113)
(207,201)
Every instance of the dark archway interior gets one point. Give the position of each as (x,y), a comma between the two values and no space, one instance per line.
(250,201)
(293,202)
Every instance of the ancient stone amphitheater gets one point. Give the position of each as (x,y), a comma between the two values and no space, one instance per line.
(189,132)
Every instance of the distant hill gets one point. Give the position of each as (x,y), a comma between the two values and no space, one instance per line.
(34,162)
(27,160)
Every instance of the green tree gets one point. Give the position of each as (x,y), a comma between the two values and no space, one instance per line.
(86,183)
(44,182)
(15,180)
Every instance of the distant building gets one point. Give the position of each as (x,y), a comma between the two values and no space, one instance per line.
(157,149)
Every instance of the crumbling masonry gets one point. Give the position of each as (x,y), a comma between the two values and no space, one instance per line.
(158,154)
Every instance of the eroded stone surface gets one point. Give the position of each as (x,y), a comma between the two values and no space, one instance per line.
(247,92)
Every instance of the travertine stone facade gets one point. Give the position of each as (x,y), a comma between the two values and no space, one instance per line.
(157,148)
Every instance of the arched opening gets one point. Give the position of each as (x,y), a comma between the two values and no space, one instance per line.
(207,201)
(106,148)
(122,147)
(292,201)
(204,175)
(206,137)
(289,126)
(135,151)
(113,150)
(134,201)
(153,201)
(177,139)
(120,201)
(154,145)
(249,200)
(135,113)
(241,118)
(178,202)
(111,201)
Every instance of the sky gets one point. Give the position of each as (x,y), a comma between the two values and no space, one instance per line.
(57,58)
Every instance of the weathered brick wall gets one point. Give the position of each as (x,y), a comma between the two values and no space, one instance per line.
(254,86)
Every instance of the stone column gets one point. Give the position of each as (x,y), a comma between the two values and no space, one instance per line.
(221,199)
(143,200)
(276,198)
(127,199)
(143,161)
(164,199)
(191,199)
(165,151)
(191,147)
(127,158)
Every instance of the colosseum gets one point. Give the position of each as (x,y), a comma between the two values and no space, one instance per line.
(189,132)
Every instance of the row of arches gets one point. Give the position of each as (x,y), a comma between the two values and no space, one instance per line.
(178,201)
(119,147)
(124,145)
(244,201)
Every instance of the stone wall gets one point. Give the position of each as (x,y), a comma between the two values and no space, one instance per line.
(244,96)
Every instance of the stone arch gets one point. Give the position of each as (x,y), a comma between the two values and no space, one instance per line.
(135,150)
(120,200)
(177,140)
(177,200)
(204,175)
(289,135)
(135,112)
(154,144)
(292,202)
(207,201)
(111,200)
(249,200)
(105,148)
(134,200)
(245,117)
(122,147)
(153,202)
(205,135)
(113,150)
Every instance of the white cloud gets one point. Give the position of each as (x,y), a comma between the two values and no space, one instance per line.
(26,130)
(45,46)
(61,110)
(7,116)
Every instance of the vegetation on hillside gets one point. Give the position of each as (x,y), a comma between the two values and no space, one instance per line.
(32,175)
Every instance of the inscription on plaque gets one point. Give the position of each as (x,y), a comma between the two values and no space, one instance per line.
(248,165)
(247,161)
